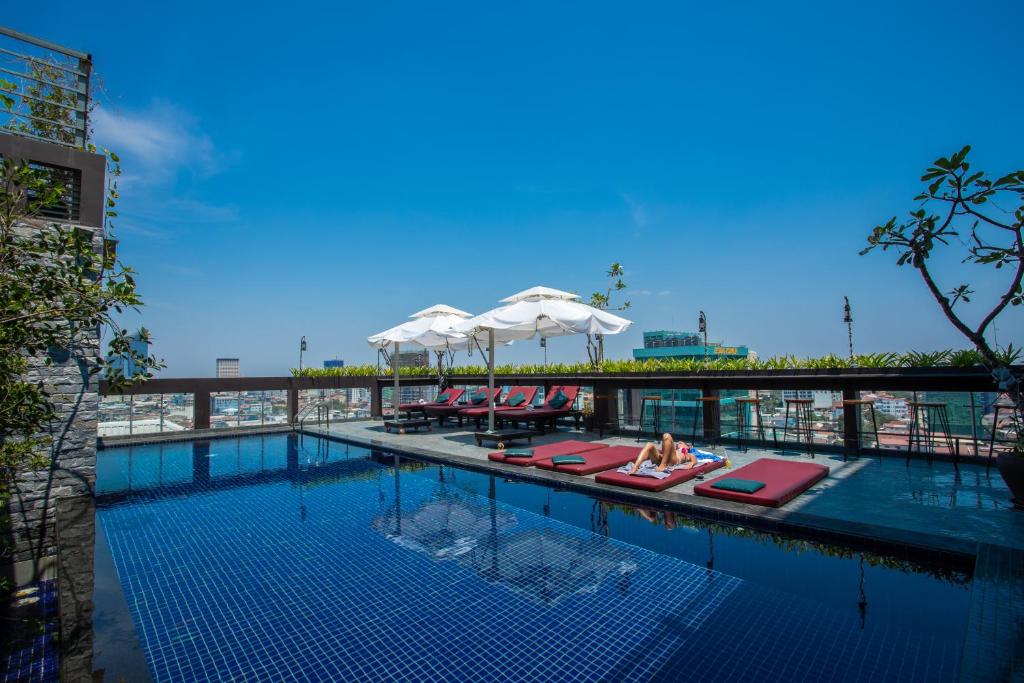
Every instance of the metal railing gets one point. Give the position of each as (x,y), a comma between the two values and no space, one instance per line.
(48,89)
(969,393)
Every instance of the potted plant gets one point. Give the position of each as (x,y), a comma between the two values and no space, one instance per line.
(1011,468)
(588,418)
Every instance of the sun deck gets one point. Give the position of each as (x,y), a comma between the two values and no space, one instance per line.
(879,499)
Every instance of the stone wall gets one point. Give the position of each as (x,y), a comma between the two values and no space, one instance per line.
(72,454)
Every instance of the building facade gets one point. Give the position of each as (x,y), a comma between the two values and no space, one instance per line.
(673,344)
(58,155)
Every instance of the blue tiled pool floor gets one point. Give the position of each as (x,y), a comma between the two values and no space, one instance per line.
(374,574)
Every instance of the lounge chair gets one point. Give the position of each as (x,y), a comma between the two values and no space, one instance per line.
(441,412)
(549,413)
(448,397)
(635,481)
(545,452)
(519,396)
(593,461)
(781,481)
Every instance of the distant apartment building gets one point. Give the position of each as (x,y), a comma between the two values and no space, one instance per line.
(126,363)
(414,359)
(823,399)
(672,344)
(893,406)
(228,367)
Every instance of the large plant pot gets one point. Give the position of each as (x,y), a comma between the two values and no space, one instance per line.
(1011,467)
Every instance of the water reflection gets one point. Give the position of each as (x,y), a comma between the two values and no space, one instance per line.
(544,564)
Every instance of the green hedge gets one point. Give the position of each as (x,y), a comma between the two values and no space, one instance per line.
(963,358)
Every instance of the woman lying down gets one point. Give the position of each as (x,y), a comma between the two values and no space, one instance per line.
(668,454)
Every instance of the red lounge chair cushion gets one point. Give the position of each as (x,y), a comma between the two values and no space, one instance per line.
(546,410)
(652,484)
(482,410)
(548,451)
(784,480)
(597,461)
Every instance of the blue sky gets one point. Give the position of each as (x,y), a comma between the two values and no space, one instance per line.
(326,170)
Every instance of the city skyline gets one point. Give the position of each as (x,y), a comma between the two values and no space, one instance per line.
(738,176)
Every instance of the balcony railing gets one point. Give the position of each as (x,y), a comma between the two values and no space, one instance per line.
(48,86)
(980,424)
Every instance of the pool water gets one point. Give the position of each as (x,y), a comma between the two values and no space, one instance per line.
(283,557)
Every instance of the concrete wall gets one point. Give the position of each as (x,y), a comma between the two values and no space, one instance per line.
(72,455)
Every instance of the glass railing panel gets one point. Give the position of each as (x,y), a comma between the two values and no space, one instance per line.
(114,417)
(178,412)
(224,409)
(964,423)
(274,407)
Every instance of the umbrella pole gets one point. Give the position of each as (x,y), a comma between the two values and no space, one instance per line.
(394,367)
(490,380)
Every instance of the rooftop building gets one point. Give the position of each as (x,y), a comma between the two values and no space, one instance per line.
(671,344)
(228,367)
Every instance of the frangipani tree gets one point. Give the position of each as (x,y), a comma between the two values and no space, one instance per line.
(961,209)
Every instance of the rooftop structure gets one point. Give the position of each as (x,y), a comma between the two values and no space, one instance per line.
(670,344)
(228,367)
(49,86)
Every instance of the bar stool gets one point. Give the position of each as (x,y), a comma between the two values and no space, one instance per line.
(859,404)
(742,404)
(936,419)
(655,402)
(702,403)
(995,425)
(804,426)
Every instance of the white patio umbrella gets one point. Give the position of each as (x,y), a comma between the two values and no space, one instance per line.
(432,328)
(538,310)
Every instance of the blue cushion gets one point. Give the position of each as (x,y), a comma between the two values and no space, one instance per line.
(478,397)
(517,399)
(444,397)
(569,460)
(518,453)
(559,400)
(738,485)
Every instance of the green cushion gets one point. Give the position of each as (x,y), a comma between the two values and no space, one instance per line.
(569,460)
(443,397)
(558,400)
(517,399)
(478,397)
(518,453)
(739,485)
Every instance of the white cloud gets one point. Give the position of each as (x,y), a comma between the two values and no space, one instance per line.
(665,292)
(638,292)
(637,210)
(155,143)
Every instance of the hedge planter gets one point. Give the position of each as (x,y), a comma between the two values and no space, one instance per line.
(1011,467)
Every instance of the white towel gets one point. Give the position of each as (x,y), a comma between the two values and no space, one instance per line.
(649,469)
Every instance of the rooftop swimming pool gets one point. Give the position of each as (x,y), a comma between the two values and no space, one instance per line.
(297,558)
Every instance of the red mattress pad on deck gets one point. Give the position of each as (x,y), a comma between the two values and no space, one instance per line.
(596,461)
(548,451)
(652,483)
(783,480)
